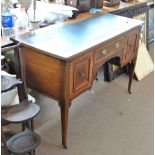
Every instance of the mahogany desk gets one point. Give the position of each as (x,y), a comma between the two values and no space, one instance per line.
(62,62)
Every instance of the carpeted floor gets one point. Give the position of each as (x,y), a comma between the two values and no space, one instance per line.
(103,121)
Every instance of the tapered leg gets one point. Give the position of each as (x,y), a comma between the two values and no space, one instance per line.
(64,123)
(131,74)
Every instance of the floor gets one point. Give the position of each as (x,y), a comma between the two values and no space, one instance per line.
(105,120)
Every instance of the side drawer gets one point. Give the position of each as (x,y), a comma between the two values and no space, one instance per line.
(103,52)
(81,74)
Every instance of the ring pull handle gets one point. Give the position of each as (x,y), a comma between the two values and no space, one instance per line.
(104,52)
(81,74)
(118,44)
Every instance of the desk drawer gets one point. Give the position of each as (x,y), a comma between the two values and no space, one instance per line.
(81,74)
(104,51)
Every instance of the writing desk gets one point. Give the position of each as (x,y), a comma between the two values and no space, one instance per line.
(62,62)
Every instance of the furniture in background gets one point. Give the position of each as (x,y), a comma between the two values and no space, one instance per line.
(23,112)
(150,22)
(138,11)
(140,8)
(66,65)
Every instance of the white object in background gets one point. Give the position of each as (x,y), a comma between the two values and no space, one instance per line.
(45,1)
(11,97)
(25,3)
(34,24)
(22,19)
(7,74)
(144,63)
(46,8)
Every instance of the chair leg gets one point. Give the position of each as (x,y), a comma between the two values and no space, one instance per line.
(4,142)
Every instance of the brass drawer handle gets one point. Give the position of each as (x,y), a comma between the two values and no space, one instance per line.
(104,52)
(81,74)
(118,44)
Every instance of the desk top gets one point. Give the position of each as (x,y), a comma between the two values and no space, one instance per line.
(70,40)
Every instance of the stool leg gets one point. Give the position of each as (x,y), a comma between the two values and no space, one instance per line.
(4,142)
(33,152)
(28,124)
(32,125)
(23,126)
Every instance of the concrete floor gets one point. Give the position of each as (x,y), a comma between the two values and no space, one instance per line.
(103,121)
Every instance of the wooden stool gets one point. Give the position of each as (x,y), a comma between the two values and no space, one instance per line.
(24,112)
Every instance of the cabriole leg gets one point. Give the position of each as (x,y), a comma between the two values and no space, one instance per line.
(64,122)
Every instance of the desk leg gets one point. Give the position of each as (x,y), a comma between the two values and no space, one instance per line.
(131,74)
(64,122)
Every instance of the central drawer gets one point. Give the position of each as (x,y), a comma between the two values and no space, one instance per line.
(104,51)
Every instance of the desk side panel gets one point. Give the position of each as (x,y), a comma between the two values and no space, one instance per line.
(43,72)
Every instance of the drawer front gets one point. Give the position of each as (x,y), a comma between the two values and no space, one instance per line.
(81,74)
(104,51)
